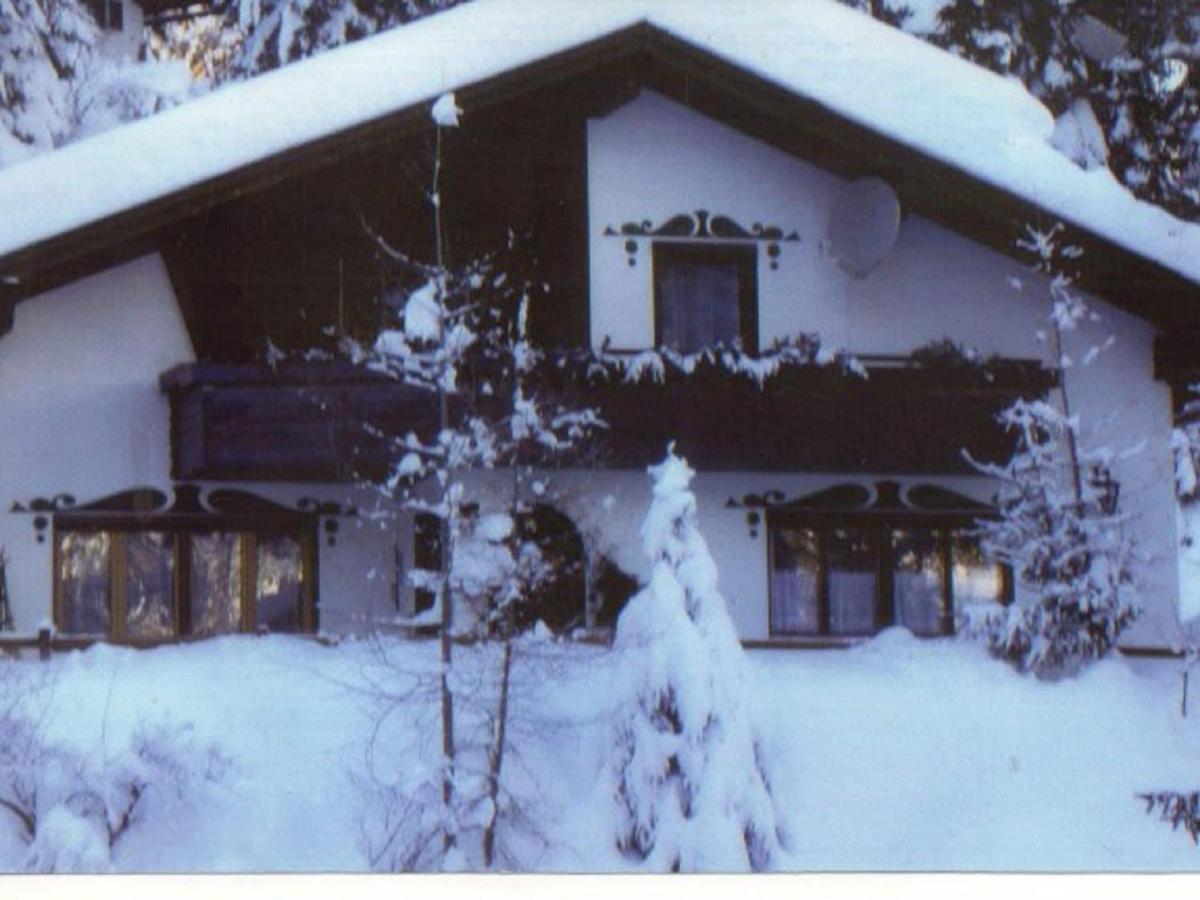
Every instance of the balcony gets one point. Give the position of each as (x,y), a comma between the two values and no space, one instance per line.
(330,421)
(298,421)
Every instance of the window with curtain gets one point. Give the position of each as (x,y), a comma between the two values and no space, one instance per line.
(161,583)
(109,14)
(705,295)
(795,572)
(850,576)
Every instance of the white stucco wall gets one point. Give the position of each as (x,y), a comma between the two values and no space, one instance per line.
(608,508)
(81,413)
(653,159)
(126,43)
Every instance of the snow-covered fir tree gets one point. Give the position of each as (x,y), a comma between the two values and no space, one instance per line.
(1130,70)
(277,32)
(691,787)
(894,12)
(56,86)
(43,44)
(1067,546)
(1031,39)
(1059,525)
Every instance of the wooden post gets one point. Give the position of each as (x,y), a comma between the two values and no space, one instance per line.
(1183,699)
(44,644)
(946,596)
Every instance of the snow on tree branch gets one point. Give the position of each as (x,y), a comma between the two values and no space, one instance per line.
(690,777)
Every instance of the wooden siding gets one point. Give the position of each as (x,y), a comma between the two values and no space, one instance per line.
(318,421)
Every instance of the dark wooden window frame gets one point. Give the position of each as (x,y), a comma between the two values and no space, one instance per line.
(880,528)
(745,256)
(248,531)
(109,14)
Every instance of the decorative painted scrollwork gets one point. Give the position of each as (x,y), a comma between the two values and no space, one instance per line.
(41,508)
(700,226)
(884,497)
(185,500)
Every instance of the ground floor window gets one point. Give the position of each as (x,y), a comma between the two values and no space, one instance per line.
(848,578)
(146,583)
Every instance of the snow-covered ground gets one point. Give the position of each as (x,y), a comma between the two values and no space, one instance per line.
(899,754)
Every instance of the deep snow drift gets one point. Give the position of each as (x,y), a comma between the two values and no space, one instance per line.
(898,754)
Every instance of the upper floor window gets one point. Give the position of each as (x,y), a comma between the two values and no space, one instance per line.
(109,14)
(705,295)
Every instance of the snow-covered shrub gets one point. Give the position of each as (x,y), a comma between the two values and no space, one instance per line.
(160,758)
(68,842)
(690,783)
(1177,808)
(56,85)
(400,817)
(401,811)
(1065,540)
(71,807)
(25,759)
(108,93)
(42,43)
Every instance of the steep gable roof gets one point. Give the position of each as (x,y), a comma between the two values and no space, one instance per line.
(821,65)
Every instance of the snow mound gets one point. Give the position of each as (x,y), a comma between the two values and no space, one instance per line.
(446,111)
(67,843)
(899,755)
(896,640)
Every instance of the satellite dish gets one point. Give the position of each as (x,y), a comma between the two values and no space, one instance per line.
(864,225)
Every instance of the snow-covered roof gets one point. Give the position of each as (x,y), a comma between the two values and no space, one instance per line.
(865,71)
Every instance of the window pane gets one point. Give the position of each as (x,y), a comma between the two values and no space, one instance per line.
(975,579)
(794,581)
(216,583)
(280,582)
(83,577)
(852,576)
(150,585)
(698,301)
(917,581)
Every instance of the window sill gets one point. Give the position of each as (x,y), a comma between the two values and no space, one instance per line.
(816,642)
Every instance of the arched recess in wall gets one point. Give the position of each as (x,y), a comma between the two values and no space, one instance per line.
(561,600)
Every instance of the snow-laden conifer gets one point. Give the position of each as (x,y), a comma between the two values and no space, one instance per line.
(282,31)
(690,786)
(1059,526)
(57,86)
(1068,551)
(42,45)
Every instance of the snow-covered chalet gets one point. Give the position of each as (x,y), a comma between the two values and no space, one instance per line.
(686,175)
